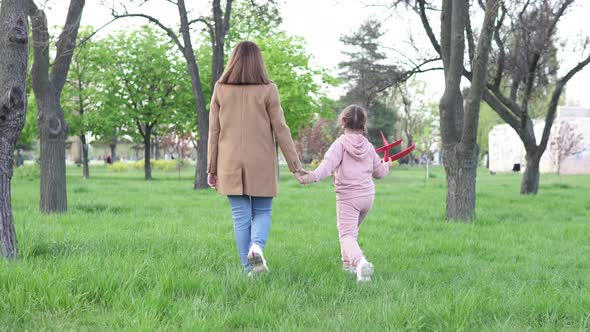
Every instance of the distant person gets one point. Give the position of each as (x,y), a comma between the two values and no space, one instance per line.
(241,159)
(354,163)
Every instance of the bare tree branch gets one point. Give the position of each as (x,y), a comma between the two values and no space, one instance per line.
(550,117)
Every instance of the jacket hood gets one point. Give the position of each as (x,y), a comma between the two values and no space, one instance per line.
(357,146)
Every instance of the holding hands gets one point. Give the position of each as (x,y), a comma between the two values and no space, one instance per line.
(302,176)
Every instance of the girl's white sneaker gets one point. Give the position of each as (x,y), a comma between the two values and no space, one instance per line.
(256,259)
(364,270)
(349,269)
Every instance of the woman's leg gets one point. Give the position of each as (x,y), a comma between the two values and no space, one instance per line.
(348,221)
(241,209)
(261,217)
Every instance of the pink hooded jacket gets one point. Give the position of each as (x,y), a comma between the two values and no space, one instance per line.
(353,161)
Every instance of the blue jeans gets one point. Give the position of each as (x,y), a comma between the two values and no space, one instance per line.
(251,223)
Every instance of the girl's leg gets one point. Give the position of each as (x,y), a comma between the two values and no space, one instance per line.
(365,205)
(242,214)
(348,220)
(261,217)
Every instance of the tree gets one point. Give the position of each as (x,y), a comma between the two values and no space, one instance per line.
(80,94)
(14,45)
(416,115)
(458,121)
(147,82)
(524,58)
(218,29)
(567,142)
(367,77)
(48,82)
(287,60)
(314,140)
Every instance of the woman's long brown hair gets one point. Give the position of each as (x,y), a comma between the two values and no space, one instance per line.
(246,66)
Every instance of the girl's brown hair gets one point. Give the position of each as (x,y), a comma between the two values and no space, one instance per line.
(353,117)
(246,66)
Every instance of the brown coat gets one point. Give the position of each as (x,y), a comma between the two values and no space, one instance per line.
(242,150)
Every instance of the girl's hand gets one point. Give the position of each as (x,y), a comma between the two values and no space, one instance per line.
(302,175)
(212,181)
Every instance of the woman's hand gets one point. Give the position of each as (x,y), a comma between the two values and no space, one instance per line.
(302,176)
(212,181)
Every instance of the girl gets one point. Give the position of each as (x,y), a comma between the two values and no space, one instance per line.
(354,163)
(241,159)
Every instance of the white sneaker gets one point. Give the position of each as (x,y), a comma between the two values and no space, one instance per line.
(364,270)
(256,259)
(349,269)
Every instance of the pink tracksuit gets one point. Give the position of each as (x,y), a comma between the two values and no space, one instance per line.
(353,161)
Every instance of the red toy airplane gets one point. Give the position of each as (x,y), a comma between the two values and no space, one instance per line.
(388,146)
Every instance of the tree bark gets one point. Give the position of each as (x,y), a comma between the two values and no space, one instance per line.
(47,86)
(156,147)
(113,147)
(459,121)
(85,168)
(461,167)
(530,178)
(147,152)
(14,55)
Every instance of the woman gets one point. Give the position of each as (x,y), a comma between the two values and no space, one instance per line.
(242,161)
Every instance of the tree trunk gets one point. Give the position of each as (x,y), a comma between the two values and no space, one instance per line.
(48,83)
(459,120)
(460,165)
(52,133)
(202,116)
(530,179)
(156,147)
(113,147)
(13,104)
(85,168)
(147,149)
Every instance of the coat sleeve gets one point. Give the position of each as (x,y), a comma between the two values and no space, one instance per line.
(380,168)
(213,133)
(281,130)
(332,159)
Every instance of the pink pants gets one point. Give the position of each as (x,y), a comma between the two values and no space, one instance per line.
(351,213)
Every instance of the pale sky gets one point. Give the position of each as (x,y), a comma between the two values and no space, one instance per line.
(323,22)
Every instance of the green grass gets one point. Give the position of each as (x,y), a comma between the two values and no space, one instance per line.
(136,255)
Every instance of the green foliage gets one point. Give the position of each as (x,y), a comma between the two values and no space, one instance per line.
(301,84)
(145,84)
(81,94)
(131,255)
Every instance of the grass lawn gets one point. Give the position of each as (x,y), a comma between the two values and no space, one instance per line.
(136,255)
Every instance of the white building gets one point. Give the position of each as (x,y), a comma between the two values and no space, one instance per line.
(506,148)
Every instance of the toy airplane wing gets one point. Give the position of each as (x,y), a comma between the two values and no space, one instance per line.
(389,146)
(403,153)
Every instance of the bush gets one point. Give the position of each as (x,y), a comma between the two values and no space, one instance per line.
(168,165)
(29,172)
(118,167)
(162,165)
(140,164)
